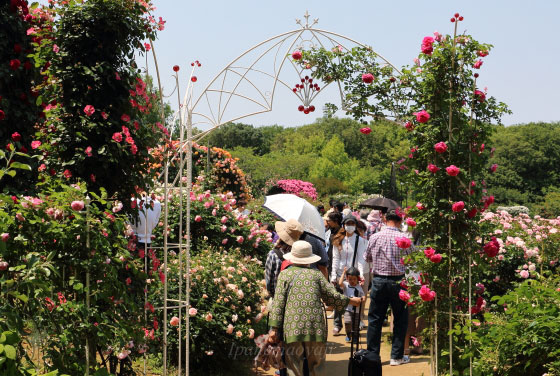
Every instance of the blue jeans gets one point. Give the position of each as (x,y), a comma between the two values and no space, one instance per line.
(385,292)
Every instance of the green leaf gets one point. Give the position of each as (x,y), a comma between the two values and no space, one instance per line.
(11,338)
(2,360)
(10,352)
(21,166)
(2,154)
(1,348)
(101,372)
(19,296)
(12,173)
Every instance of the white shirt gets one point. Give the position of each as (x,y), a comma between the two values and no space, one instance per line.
(343,255)
(148,218)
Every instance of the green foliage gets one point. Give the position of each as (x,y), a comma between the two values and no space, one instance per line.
(550,205)
(525,339)
(367,158)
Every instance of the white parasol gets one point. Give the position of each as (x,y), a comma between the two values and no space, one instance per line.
(287,206)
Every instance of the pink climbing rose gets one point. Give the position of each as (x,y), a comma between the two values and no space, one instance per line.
(89,110)
(433,168)
(77,205)
(422,116)
(403,242)
(452,170)
(440,147)
(458,206)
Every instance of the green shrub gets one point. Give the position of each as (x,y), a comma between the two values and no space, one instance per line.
(525,338)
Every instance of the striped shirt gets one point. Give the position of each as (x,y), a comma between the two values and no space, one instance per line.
(384,254)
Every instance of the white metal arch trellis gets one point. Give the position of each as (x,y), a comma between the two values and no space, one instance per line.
(243,88)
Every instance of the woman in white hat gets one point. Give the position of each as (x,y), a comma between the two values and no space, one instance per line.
(297,311)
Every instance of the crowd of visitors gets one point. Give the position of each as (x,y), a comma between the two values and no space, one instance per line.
(359,256)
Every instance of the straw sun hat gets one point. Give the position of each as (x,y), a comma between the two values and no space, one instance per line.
(301,254)
(289,231)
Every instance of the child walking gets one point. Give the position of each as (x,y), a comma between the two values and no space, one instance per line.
(349,283)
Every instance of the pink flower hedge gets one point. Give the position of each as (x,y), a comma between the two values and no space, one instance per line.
(298,187)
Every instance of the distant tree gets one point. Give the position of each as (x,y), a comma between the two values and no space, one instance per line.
(335,163)
(233,135)
(527,157)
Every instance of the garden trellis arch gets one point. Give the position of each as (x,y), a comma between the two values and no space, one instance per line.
(243,88)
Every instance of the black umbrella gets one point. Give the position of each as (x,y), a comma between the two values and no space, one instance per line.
(380,203)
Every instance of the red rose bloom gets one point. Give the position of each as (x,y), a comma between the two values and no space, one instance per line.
(427,45)
(89,110)
(403,242)
(480,95)
(471,213)
(365,130)
(436,259)
(16,136)
(458,206)
(452,170)
(422,116)
(433,168)
(117,136)
(14,64)
(367,78)
(492,247)
(440,147)
(429,252)
(296,55)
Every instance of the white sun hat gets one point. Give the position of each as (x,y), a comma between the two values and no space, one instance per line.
(301,254)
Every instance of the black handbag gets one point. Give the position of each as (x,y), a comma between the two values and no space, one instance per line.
(362,362)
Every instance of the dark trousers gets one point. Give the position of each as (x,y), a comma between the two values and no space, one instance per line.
(384,292)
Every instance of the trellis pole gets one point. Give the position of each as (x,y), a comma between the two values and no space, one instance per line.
(88,200)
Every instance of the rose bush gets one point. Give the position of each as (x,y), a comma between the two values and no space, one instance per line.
(524,338)
(218,172)
(449,128)
(216,223)
(19,113)
(297,187)
(95,102)
(45,281)
(227,305)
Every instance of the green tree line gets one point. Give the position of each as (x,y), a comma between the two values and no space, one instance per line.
(337,158)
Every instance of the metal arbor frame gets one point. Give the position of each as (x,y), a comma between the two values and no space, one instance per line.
(234,93)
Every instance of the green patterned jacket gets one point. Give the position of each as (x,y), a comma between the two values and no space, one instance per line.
(303,317)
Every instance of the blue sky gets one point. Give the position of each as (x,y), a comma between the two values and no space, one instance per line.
(522,69)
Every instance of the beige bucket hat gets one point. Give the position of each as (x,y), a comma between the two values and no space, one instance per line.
(289,231)
(301,253)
